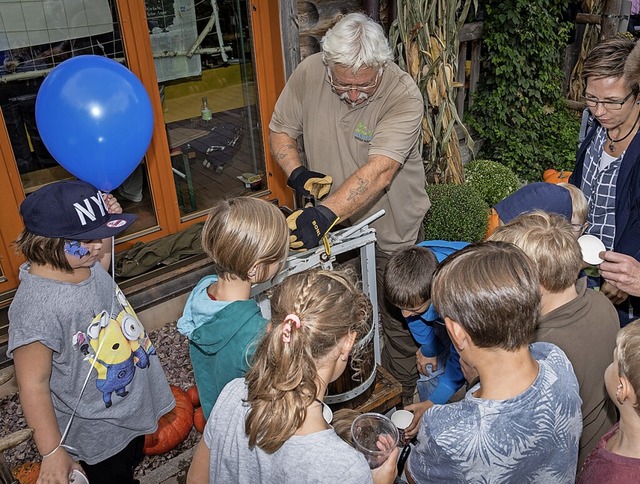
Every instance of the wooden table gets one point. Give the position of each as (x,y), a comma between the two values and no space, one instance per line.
(387,393)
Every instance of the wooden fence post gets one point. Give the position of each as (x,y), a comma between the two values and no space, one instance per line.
(610,18)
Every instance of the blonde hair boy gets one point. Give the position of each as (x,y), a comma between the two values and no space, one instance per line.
(248,240)
(581,321)
(549,242)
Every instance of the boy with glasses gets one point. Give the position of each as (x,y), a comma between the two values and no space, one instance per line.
(607,167)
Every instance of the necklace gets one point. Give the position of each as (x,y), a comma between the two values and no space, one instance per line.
(612,143)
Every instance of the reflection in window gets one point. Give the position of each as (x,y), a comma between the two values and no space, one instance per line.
(205,55)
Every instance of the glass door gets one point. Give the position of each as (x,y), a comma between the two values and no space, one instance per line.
(204,61)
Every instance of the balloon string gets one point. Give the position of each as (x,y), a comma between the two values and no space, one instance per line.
(113,259)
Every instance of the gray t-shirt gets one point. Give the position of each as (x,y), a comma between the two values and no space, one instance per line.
(530,438)
(321,457)
(126,393)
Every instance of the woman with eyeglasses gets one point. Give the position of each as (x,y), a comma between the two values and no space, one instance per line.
(608,162)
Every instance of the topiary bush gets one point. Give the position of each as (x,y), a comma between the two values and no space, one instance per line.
(457,213)
(491,180)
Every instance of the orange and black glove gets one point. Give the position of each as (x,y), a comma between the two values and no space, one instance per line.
(309,226)
(309,183)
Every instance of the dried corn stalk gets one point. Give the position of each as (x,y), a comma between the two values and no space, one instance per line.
(590,39)
(425,34)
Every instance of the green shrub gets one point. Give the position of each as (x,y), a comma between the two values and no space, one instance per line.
(519,109)
(457,213)
(491,180)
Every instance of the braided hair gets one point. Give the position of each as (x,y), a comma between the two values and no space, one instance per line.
(283,379)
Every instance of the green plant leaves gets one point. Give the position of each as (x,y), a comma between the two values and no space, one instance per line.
(519,108)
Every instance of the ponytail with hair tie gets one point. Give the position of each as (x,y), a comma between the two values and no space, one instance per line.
(286,327)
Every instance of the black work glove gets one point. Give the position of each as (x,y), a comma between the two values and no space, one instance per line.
(309,225)
(309,183)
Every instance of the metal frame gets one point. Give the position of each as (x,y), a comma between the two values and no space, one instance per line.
(359,236)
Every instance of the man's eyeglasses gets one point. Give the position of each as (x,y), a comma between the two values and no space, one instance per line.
(352,87)
(608,105)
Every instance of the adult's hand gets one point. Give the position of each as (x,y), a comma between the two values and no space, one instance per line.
(309,225)
(418,410)
(615,295)
(310,183)
(387,472)
(621,271)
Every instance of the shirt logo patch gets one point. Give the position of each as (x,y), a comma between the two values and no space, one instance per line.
(362,133)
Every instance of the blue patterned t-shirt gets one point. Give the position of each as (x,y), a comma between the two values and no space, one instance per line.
(530,438)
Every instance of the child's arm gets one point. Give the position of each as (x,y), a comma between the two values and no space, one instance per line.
(450,381)
(430,346)
(112,207)
(199,470)
(33,369)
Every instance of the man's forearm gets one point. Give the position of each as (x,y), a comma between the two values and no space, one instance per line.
(285,151)
(363,187)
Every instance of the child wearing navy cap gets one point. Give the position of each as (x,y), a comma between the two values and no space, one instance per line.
(90,382)
(548,197)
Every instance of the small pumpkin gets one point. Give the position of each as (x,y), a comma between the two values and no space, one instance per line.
(194,396)
(173,427)
(27,473)
(199,421)
(494,223)
(555,176)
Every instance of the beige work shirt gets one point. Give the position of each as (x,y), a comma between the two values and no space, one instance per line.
(338,140)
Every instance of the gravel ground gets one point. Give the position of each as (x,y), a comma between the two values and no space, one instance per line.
(173,350)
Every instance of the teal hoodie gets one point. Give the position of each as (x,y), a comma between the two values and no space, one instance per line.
(222,339)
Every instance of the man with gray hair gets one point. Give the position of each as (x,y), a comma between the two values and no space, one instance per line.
(360,118)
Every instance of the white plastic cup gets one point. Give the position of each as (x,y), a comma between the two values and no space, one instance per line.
(402,419)
(77,477)
(375,436)
(591,247)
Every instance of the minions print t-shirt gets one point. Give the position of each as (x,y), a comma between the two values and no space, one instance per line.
(92,329)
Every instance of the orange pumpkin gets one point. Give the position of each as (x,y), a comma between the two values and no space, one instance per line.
(173,427)
(198,420)
(194,396)
(555,176)
(494,223)
(27,473)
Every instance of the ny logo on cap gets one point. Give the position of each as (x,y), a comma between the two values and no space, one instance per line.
(88,209)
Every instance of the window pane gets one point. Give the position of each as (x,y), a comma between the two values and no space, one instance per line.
(216,149)
(43,35)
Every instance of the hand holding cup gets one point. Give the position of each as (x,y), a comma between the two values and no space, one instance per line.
(375,436)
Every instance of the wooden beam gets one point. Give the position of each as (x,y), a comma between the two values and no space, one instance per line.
(588,18)
(470,31)
(611,18)
(290,35)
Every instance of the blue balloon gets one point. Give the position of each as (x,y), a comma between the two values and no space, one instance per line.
(95,118)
